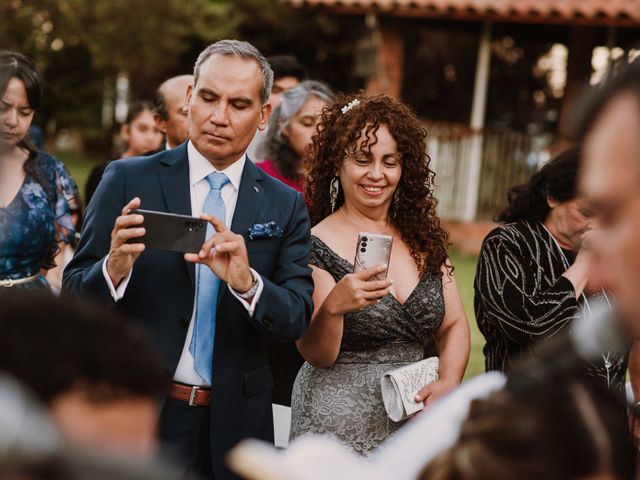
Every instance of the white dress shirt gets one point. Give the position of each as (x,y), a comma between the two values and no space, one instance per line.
(199,169)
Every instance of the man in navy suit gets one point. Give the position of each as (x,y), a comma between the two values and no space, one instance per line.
(264,286)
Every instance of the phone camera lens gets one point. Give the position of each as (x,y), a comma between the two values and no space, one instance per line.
(200,224)
(364,244)
(364,239)
(363,250)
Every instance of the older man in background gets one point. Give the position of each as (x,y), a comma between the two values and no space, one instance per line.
(171,109)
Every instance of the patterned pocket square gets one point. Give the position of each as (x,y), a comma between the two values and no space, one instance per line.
(265,230)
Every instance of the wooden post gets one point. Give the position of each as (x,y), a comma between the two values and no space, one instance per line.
(389,76)
(478,110)
(582,41)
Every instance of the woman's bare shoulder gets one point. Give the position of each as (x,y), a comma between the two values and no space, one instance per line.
(326,229)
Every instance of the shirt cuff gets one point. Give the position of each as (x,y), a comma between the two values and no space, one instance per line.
(116,293)
(250,307)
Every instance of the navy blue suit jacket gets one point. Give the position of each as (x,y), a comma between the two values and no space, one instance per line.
(160,293)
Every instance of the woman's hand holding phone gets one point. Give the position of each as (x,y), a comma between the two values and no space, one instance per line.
(357,290)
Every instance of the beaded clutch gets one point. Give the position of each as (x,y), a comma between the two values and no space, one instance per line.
(400,386)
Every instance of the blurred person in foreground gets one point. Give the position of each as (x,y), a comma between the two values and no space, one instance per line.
(369,172)
(99,377)
(291,127)
(171,110)
(252,282)
(140,136)
(287,73)
(609,126)
(35,189)
(533,275)
(562,430)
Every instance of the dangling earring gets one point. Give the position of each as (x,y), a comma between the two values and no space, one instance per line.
(395,203)
(334,188)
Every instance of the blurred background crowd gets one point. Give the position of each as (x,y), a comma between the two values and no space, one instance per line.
(512,246)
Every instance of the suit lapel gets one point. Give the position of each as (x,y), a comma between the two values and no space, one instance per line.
(176,191)
(249,199)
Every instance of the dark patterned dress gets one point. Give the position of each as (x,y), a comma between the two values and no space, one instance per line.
(521,298)
(345,400)
(35,221)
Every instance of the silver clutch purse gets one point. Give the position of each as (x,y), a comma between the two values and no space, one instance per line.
(399,387)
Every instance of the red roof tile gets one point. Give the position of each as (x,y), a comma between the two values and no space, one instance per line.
(593,12)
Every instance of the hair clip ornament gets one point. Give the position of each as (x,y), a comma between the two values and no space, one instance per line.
(353,103)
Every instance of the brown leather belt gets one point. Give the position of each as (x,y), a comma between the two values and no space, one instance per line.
(194,396)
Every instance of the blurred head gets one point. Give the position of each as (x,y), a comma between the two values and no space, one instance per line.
(377,150)
(550,196)
(293,124)
(610,180)
(287,73)
(99,377)
(139,131)
(20,97)
(567,430)
(171,113)
(228,100)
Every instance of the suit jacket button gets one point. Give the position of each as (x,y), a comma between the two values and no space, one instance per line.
(184,323)
(267,322)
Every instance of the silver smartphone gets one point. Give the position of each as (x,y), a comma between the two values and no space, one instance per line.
(373,249)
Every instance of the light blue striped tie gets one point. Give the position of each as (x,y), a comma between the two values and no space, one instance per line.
(204,331)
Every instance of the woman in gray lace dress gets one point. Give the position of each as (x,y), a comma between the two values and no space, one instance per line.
(369,173)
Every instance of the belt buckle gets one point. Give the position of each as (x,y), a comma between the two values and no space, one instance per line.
(8,283)
(192,396)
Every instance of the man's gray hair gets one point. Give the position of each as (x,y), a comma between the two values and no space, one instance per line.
(244,50)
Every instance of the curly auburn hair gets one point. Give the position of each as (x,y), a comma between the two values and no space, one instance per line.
(337,137)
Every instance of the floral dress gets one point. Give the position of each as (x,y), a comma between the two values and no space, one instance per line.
(345,400)
(35,221)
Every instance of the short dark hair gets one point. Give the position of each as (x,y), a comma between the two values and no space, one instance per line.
(287,66)
(136,108)
(55,345)
(557,179)
(160,106)
(594,100)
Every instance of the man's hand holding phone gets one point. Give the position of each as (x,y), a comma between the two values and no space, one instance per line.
(225,253)
(122,255)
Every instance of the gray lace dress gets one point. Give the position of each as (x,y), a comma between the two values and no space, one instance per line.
(345,400)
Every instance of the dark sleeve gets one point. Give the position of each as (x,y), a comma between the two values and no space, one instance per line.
(285,305)
(83,276)
(509,295)
(319,256)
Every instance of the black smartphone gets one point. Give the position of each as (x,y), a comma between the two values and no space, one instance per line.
(169,231)
(373,249)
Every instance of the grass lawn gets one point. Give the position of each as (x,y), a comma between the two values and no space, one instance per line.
(465,271)
(79,167)
(465,266)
